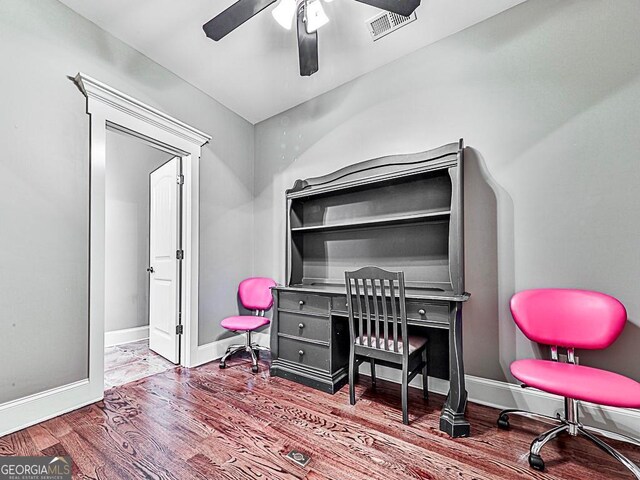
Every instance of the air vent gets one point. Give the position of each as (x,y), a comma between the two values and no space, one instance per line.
(387,22)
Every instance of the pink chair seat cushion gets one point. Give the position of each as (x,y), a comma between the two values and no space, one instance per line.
(244,322)
(414,343)
(579,382)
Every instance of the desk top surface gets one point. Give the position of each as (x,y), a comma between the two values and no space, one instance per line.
(410,292)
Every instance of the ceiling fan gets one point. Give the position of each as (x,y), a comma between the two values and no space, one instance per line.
(310,16)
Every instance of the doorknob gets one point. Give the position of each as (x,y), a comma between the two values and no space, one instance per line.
(150,269)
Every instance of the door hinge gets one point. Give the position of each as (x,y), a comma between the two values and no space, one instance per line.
(180,179)
(179,329)
(180,254)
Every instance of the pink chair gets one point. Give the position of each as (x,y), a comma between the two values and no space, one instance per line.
(255,294)
(572,319)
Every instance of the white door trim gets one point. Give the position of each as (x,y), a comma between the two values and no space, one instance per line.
(111,108)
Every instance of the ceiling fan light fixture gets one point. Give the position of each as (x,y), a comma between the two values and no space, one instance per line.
(284,13)
(315,15)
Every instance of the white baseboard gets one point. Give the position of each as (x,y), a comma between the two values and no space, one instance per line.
(493,393)
(126,335)
(27,411)
(215,350)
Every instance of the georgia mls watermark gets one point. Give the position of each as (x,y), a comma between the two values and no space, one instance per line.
(35,468)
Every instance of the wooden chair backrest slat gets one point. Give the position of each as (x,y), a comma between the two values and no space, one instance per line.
(362,289)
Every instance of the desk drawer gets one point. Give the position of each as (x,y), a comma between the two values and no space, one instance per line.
(303,302)
(303,353)
(416,310)
(304,326)
(432,312)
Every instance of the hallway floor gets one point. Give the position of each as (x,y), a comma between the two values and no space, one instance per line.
(130,362)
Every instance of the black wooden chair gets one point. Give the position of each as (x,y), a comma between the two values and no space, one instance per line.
(378,328)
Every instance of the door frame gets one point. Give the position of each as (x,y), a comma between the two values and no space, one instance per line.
(109,108)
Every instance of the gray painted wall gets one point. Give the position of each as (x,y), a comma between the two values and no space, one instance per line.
(547,95)
(44,188)
(129,163)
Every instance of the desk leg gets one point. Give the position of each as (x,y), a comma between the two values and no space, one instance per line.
(452,419)
(274,330)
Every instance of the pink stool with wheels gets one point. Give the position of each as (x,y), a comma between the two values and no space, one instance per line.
(255,294)
(570,319)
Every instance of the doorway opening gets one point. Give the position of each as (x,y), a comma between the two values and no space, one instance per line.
(109,107)
(112,109)
(143,224)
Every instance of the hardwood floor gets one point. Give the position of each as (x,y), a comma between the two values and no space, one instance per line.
(208,423)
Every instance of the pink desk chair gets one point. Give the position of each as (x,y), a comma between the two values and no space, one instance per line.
(572,319)
(255,294)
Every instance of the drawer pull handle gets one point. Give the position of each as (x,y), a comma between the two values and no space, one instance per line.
(300,352)
(301,326)
(422,311)
(301,302)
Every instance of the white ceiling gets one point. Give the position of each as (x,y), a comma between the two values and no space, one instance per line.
(254,70)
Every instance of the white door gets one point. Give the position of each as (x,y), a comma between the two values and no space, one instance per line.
(164,264)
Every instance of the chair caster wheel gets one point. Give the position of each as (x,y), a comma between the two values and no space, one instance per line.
(503,422)
(254,369)
(223,365)
(536,462)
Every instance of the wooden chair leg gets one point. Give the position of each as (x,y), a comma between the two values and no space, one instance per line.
(425,375)
(373,372)
(352,378)
(405,394)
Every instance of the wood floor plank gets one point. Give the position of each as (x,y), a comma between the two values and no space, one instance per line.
(41,437)
(57,426)
(232,424)
(369,446)
(217,398)
(18,444)
(247,439)
(210,397)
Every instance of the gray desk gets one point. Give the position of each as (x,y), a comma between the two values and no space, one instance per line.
(402,212)
(310,341)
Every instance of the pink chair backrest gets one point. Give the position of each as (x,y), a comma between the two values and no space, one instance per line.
(569,318)
(255,293)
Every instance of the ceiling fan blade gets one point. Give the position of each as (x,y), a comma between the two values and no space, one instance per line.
(307,46)
(401,7)
(233,17)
